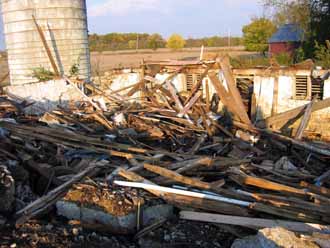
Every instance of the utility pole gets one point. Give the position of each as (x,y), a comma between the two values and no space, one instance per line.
(229,38)
(137,42)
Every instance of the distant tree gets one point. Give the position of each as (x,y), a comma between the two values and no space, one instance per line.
(322,54)
(212,41)
(132,44)
(320,20)
(155,41)
(312,15)
(175,42)
(288,11)
(257,34)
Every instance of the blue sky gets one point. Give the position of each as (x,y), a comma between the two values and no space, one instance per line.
(191,18)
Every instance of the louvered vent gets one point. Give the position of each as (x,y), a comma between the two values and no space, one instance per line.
(190,81)
(317,88)
(193,79)
(198,77)
(301,87)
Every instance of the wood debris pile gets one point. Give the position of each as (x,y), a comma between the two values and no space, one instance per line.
(177,147)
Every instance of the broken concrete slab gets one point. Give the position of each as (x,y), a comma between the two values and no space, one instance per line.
(46,95)
(116,210)
(117,224)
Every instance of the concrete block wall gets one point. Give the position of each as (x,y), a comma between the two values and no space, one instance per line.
(319,124)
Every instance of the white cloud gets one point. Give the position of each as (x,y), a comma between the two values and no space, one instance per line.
(120,7)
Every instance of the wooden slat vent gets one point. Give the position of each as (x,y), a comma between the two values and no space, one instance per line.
(301,87)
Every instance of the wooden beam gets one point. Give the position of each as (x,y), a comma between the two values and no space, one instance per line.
(281,118)
(234,92)
(207,93)
(187,201)
(305,120)
(177,177)
(49,53)
(176,99)
(196,86)
(190,104)
(266,184)
(315,189)
(4,78)
(52,197)
(275,96)
(225,98)
(256,223)
(192,194)
(304,145)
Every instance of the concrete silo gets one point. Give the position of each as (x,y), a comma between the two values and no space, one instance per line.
(64,24)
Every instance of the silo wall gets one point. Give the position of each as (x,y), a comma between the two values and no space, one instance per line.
(64,24)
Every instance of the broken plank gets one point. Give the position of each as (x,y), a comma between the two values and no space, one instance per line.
(187,201)
(188,106)
(266,132)
(257,223)
(266,184)
(48,200)
(207,93)
(197,86)
(225,98)
(305,120)
(234,92)
(275,96)
(177,177)
(176,99)
(161,189)
(44,42)
(198,144)
(315,189)
(282,118)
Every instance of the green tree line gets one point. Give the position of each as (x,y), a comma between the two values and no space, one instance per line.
(127,41)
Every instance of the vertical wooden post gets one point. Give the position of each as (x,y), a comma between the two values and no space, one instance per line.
(275,96)
(309,87)
(253,107)
(207,92)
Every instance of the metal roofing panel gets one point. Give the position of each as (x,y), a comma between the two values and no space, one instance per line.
(287,33)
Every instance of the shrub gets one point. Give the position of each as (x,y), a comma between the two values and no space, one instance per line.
(322,54)
(176,42)
(257,34)
(284,59)
(42,74)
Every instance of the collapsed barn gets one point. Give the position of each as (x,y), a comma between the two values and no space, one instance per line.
(216,144)
(150,152)
(267,93)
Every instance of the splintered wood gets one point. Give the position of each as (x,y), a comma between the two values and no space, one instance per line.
(178,146)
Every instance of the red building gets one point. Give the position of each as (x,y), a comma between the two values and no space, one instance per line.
(287,39)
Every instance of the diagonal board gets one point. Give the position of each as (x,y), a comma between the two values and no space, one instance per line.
(305,120)
(225,97)
(284,117)
(233,91)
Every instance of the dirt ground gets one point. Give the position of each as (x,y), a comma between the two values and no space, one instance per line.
(105,61)
(60,233)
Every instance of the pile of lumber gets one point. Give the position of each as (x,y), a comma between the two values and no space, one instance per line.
(177,147)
